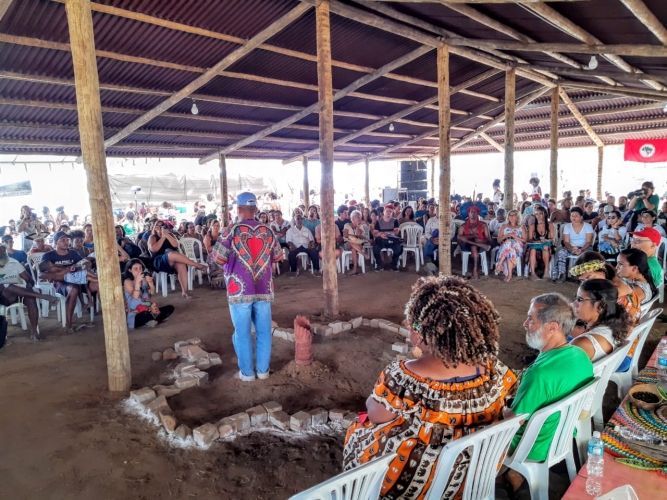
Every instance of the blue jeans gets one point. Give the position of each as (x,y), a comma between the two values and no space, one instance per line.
(429,249)
(243,315)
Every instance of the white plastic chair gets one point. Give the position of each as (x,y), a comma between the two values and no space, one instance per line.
(161,282)
(647,307)
(189,247)
(488,446)
(537,473)
(14,310)
(494,260)
(362,483)
(346,257)
(482,257)
(624,380)
(412,234)
(304,261)
(602,369)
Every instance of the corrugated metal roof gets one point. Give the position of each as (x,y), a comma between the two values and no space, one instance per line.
(35,104)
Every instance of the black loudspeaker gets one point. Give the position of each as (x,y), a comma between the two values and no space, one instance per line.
(415,195)
(415,185)
(413,171)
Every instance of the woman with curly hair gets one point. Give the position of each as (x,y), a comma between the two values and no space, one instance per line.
(607,323)
(456,387)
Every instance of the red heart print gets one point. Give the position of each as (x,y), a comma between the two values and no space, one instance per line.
(255,246)
(233,287)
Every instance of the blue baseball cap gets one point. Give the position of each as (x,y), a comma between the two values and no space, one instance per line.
(60,234)
(246,200)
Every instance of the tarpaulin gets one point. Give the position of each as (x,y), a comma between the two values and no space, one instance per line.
(645,150)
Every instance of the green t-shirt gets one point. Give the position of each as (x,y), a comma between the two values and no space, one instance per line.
(554,375)
(311,225)
(654,200)
(656,270)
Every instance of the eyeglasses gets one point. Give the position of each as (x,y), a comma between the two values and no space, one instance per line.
(639,241)
(581,299)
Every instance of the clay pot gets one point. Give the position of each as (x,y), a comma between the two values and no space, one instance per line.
(303,341)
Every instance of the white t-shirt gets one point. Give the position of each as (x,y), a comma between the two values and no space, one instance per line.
(11,273)
(280,227)
(299,237)
(609,231)
(578,239)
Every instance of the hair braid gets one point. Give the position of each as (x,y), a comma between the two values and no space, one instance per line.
(455,319)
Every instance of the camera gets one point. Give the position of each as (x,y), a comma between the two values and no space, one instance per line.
(640,192)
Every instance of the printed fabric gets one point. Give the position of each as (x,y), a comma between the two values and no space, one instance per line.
(510,249)
(246,251)
(429,415)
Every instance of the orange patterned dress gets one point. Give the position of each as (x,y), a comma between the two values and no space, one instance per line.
(429,414)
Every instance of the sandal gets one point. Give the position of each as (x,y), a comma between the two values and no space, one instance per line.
(69,331)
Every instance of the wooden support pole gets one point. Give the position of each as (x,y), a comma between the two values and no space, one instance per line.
(600,162)
(432,177)
(80,22)
(224,195)
(367,186)
(306,186)
(444,122)
(510,107)
(325,104)
(553,159)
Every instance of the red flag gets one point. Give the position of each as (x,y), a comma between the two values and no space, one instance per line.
(645,150)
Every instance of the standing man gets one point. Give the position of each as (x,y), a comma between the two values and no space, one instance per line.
(246,250)
(644,199)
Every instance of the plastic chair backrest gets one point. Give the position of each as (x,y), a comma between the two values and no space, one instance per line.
(33,261)
(644,328)
(603,369)
(647,307)
(663,245)
(488,448)
(362,483)
(570,408)
(412,233)
(188,246)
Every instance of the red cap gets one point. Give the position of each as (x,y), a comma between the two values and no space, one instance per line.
(649,233)
(474,208)
(390,207)
(536,197)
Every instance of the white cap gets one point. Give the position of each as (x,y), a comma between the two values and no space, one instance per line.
(596,434)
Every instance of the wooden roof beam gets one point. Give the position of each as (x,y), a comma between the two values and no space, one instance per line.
(35,42)
(156,21)
(339,94)
(523,102)
(553,17)
(492,141)
(478,16)
(200,117)
(210,74)
(468,83)
(647,18)
(577,114)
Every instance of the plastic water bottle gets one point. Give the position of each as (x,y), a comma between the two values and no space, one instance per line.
(595,465)
(661,364)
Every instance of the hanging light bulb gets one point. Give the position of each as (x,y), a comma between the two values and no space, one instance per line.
(476,136)
(593,63)
(391,127)
(194,109)
(664,109)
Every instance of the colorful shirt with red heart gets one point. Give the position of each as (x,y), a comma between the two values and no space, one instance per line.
(246,251)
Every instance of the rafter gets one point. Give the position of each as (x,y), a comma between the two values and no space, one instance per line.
(492,141)
(400,114)
(199,117)
(523,102)
(648,19)
(478,16)
(577,114)
(553,17)
(401,61)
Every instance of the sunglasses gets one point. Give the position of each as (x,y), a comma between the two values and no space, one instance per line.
(612,217)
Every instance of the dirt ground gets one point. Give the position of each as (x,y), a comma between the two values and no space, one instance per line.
(64,436)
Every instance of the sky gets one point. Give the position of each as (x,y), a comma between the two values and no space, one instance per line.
(60,181)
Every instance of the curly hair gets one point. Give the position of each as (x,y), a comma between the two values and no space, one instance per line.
(613,315)
(455,319)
